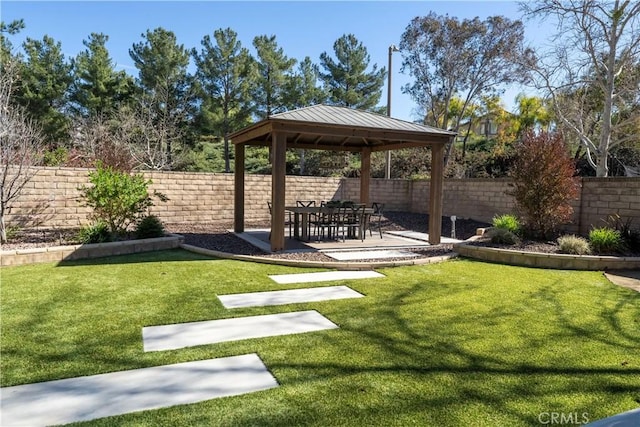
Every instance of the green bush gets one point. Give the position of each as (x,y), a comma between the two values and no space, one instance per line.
(630,236)
(149,227)
(574,245)
(605,240)
(117,198)
(97,232)
(508,222)
(502,236)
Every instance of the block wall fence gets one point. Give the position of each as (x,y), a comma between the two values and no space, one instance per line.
(50,199)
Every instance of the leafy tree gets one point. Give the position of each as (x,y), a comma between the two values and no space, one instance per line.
(543,183)
(167,92)
(224,71)
(346,79)
(45,79)
(467,59)
(533,113)
(21,146)
(274,69)
(98,88)
(590,68)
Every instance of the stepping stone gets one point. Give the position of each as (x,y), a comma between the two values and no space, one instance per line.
(261,299)
(325,276)
(104,395)
(169,337)
(381,254)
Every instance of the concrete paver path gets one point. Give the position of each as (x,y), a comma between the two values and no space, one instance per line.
(170,337)
(325,276)
(289,296)
(97,396)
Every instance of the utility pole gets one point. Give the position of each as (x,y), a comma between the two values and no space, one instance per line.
(387,169)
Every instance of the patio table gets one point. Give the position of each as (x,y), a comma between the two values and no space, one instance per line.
(301,218)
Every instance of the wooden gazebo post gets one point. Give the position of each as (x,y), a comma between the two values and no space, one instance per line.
(435,193)
(365,174)
(278,189)
(238,193)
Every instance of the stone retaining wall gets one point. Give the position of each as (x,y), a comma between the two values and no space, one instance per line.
(50,198)
(96,250)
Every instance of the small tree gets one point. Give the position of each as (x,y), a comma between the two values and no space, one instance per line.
(543,183)
(118,198)
(21,146)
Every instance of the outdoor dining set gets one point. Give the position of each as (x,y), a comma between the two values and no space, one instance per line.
(333,220)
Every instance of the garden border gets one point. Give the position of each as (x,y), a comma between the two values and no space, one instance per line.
(87,251)
(546,260)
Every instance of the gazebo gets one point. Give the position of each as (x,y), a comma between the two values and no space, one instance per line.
(324,127)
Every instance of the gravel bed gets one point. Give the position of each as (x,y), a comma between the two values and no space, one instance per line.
(550,247)
(218,237)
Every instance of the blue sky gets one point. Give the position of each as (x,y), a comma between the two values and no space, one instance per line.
(302,28)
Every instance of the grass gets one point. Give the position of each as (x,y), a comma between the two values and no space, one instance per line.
(457,343)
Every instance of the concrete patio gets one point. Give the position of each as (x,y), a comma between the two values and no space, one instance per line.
(259,237)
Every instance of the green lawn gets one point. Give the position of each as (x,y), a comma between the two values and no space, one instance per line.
(450,344)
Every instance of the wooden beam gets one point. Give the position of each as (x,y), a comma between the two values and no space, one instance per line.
(278,190)
(435,193)
(238,193)
(259,130)
(399,145)
(348,131)
(326,147)
(365,174)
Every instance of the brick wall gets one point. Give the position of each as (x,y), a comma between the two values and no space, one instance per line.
(50,198)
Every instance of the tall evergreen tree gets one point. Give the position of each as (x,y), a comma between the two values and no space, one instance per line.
(303,89)
(98,88)
(347,80)
(224,71)
(274,69)
(6,47)
(166,89)
(45,79)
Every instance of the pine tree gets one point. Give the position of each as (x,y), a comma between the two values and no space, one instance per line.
(224,71)
(98,89)
(167,90)
(45,79)
(347,80)
(274,70)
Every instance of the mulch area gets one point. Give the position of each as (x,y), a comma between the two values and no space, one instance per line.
(217,237)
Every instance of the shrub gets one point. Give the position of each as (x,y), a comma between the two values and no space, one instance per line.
(502,236)
(117,198)
(508,222)
(150,226)
(97,232)
(574,245)
(543,183)
(605,240)
(629,235)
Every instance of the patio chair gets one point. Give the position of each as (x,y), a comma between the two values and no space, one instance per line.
(350,219)
(288,221)
(313,217)
(326,221)
(376,217)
